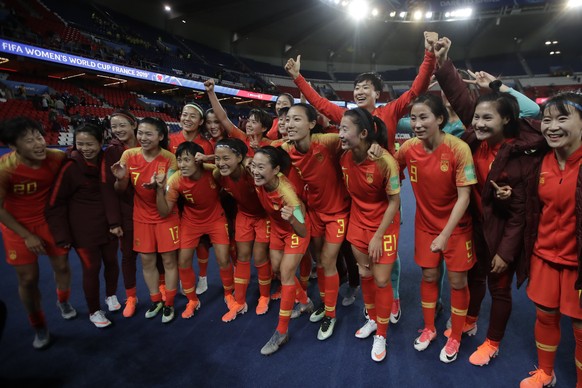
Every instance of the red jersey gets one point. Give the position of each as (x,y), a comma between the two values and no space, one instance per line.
(178,138)
(483,158)
(273,133)
(24,189)
(389,113)
(273,202)
(202,202)
(369,184)
(243,191)
(435,177)
(556,240)
(236,133)
(141,171)
(319,169)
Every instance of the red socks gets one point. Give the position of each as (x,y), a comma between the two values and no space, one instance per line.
(305,269)
(384,298)
(242,277)
(37,320)
(130,292)
(369,295)
(227,277)
(63,295)
(170,295)
(428,299)
(188,279)
(459,306)
(287,302)
(155,298)
(547,335)
(264,274)
(300,293)
(331,291)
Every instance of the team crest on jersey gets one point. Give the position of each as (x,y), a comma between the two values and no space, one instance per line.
(542,178)
(212,185)
(444,165)
(12,255)
(369,177)
(137,242)
(276,206)
(319,157)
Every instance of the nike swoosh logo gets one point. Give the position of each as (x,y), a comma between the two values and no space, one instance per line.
(380,355)
(187,191)
(450,358)
(412,160)
(133,168)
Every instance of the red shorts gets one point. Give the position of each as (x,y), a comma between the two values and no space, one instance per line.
(289,243)
(360,239)
(333,227)
(249,228)
(162,237)
(191,233)
(459,254)
(18,254)
(552,286)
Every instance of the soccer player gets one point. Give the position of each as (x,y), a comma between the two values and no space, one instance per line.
(441,174)
(553,217)
(152,234)
(119,207)
(316,159)
(26,176)
(75,198)
(502,146)
(213,129)
(284,100)
(374,186)
(252,228)
(191,121)
(202,214)
(289,234)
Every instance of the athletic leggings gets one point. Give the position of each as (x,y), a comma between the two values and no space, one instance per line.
(91,259)
(128,260)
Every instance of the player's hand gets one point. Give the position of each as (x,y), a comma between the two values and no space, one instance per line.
(209,85)
(254,141)
(35,244)
(287,213)
(481,79)
(160,180)
(439,244)
(375,151)
(152,184)
(119,170)
(199,157)
(498,265)
(502,192)
(293,66)
(430,38)
(375,249)
(441,50)
(116,231)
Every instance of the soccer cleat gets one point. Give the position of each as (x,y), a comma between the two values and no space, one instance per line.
(538,379)
(484,354)
(275,342)
(234,311)
(424,339)
(162,289)
(468,329)
(366,315)
(154,309)
(326,328)
(42,339)
(230,301)
(67,311)
(130,304)
(365,331)
(350,296)
(277,294)
(318,314)
(263,305)
(167,314)
(378,348)
(192,306)
(450,351)
(396,312)
(301,308)
(202,285)
(99,319)
(112,303)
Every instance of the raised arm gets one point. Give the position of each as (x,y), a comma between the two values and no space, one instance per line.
(220,113)
(323,105)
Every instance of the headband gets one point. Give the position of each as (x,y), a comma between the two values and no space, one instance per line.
(129,118)
(229,147)
(195,107)
(575,105)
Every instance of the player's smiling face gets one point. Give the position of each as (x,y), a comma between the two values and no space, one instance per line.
(31,147)
(262,168)
(299,125)
(282,102)
(88,146)
(562,130)
(424,122)
(148,136)
(254,126)
(122,129)
(213,126)
(187,164)
(349,133)
(365,95)
(226,160)
(191,119)
(487,122)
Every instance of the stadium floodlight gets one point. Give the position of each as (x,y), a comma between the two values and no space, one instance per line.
(417,15)
(462,13)
(428,15)
(574,3)
(358,9)
(402,14)
(167,8)
(392,14)
(375,12)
